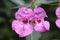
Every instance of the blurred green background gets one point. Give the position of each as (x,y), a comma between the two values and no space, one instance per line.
(8,9)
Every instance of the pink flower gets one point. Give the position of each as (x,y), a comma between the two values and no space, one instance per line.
(22,25)
(25,16)
(58,17)
(40,24)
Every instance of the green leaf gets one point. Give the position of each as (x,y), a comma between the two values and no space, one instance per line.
(39,2)
(21,3)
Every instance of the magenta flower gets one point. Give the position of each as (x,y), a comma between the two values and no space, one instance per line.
(58,17)
(25,17)
(40,24)
(22,25)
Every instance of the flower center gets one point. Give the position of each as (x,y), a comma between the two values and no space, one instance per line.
(38,20)
(25,21)
(31,21)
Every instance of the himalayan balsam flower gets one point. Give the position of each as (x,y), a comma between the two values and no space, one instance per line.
(58,17)
(21,25)
(40,24)
(25,16)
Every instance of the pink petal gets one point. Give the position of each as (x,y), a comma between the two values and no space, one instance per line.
(39,12)
(47,25)
(18,16)
(24,12)
(22,29)
(19,27)
(14,23)
(28,29)
(58,23)
(39,27)
(58,12)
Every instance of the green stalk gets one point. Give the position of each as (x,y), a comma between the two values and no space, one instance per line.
(34,4)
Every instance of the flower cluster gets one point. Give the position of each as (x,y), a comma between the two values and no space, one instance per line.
(28,20)
(58,17)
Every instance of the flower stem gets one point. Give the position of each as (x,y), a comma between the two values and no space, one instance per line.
(32,36)
(34,4)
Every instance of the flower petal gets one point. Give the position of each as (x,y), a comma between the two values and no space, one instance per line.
(47,25)
(58,12)
(19,28)
(23,12)
(22,29)
(14,23)
(58,23)
(28,29)
(39,12)
(39,27)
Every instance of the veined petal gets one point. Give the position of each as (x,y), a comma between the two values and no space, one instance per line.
(14,23)
(39,12)
(22,29)
(39,27)
(47,25)
(58,23)
(24,12)
(28,29)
